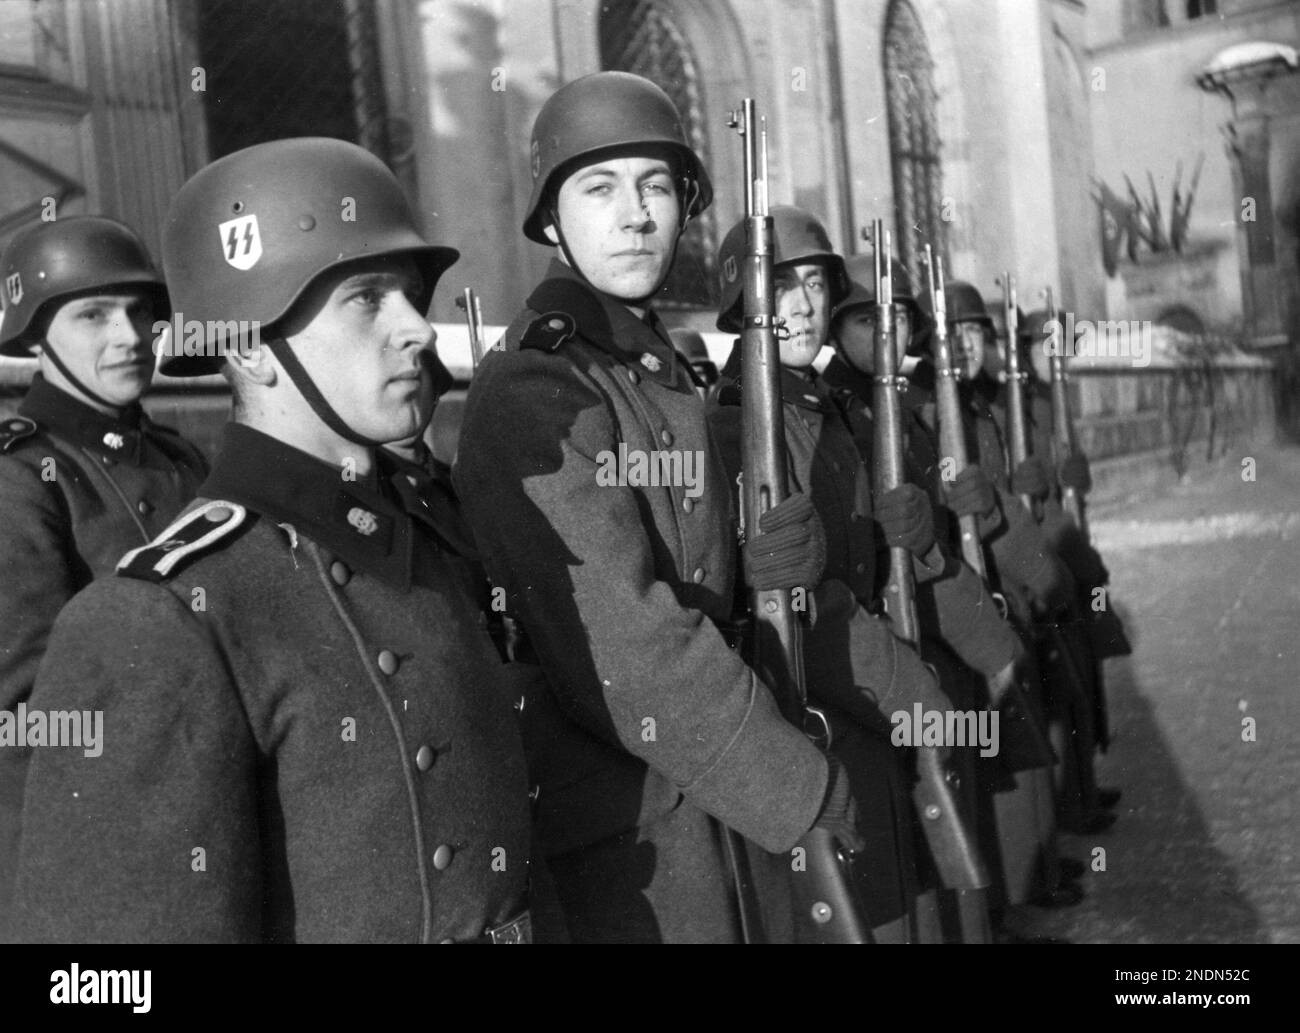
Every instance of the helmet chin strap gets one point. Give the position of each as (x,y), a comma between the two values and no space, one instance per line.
(691,193)
(308,389)
(72,379)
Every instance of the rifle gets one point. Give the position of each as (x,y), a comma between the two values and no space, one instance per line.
(1017,424)
(951,843)
(1072,673)
(469,304)
(1062,422)
(827,908)
(952,436)
(1071,500)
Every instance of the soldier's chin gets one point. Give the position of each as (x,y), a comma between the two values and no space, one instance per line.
(800,352)
(410,420)
(126,385)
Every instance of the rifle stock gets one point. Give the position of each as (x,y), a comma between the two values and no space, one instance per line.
(1062,421)
(1017,425)
(1023,730)
(827,907)
(952,436)
(952,844)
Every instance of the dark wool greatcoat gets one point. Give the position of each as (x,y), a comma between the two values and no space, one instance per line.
(651,725)
(308,735)
(78,489)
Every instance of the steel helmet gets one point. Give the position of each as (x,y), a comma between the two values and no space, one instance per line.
(997,313)
(1033,327)
(861,271)
(962,301)
(797,236)
(597,113)
(50,261)
(246,235)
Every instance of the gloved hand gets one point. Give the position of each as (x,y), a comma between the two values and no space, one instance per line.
(906,519)
(1031,478)
(839,813)
(971,493)
(790,550)
(1075,473)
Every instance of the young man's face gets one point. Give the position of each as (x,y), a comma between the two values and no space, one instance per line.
(106,341)
(619,220)
(969,341)
(995,356)
(856,333)
(803,301)
(359,336)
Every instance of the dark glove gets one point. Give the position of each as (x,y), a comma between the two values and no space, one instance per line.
(790,550)
(971,493)
(906,519)
(839,813)
(1075,473)
(1031,478)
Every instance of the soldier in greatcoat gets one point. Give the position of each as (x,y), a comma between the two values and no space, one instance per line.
(600,504)
(308,733)
(85,474)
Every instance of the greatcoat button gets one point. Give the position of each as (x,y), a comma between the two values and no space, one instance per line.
(442,857)
(861,568)
(667,437)
(688,504)
(634,376)
(144,507)
(424,758)
(388,661)
(447,940)
(339,573)
(698,576)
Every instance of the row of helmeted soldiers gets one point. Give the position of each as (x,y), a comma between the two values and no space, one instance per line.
(351,693)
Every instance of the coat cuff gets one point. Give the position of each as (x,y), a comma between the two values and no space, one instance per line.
(768,785)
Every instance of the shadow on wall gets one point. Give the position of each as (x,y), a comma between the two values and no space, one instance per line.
(484,108)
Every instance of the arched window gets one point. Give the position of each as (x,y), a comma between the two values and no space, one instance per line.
(292,68)
(913,141)
(641,36)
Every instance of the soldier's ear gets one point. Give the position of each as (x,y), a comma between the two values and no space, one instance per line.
(252,364)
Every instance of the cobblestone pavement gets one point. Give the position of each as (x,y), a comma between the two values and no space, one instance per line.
(1207,846)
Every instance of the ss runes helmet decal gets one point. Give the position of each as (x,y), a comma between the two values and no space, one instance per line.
(241,243)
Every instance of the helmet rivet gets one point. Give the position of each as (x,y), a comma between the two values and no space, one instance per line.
(306,223)
(237,207)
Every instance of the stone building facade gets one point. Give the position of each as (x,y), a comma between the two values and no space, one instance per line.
(983,127)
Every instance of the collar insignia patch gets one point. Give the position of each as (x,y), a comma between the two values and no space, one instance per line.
(363,520)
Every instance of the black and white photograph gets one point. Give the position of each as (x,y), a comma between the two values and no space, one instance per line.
(650,472)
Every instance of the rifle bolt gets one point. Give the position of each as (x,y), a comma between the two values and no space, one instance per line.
(821,912)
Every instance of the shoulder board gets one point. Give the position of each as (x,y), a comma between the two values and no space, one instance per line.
(190,535)
(548,331)
(14,430)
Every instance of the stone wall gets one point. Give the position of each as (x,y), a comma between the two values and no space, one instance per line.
(1143,428)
